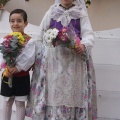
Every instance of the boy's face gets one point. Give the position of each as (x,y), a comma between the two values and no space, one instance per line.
(17,23)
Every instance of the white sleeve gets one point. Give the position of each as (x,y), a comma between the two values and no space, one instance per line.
(27,57)
(44,25)
(87,34)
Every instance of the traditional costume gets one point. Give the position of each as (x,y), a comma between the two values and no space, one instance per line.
(63,84)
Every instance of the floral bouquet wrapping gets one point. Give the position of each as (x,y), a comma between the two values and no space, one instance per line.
(10,48)
(65,37)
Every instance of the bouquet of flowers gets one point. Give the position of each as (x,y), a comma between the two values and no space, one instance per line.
(10,48)
(65,37)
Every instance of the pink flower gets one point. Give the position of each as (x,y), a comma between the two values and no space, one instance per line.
(77,41)
(3,65)
(62,35)
(8,37)
(6,43)
(64,30)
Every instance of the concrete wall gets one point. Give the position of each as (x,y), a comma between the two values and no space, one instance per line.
(104,14)
(34,8)
(106,57)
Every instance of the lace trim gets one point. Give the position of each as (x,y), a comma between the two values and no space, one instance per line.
(64,16)
(65,82)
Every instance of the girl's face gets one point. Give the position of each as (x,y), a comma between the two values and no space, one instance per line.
(17,23)
(67,2)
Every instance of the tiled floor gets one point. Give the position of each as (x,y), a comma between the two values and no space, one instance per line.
(107,119)
(14,117)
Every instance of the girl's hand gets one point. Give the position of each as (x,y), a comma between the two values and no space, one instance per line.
(13,70)
(80,49)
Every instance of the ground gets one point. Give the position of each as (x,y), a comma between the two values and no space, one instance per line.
(14,117)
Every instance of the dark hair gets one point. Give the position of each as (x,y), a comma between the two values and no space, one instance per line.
(20,11)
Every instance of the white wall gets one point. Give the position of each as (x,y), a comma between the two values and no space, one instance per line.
(104,14)
(34,8)
(106,56)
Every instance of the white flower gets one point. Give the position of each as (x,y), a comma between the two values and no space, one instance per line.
(47,37)
(49,31)
(50,35)
(53,33)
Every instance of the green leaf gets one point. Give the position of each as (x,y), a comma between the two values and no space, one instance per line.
(3,2)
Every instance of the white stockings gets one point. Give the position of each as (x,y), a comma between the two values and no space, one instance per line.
(20,106)
(7,109)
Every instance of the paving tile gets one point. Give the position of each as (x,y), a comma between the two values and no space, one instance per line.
(26,118)
(106,119)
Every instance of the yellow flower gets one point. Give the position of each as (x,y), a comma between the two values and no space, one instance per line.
(15,33)
(5,73)
(21,42)
(20,37)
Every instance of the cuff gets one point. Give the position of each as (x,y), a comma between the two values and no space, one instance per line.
(18,67)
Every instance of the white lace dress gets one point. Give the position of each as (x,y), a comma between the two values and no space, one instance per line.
(63,82)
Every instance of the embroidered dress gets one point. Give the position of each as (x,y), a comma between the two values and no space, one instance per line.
(63,83)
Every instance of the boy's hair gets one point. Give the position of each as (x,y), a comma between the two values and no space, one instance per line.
(20,11)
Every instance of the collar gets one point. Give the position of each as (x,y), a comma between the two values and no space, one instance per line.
(68,7)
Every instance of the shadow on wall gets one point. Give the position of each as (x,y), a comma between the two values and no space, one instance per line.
(34,8)
(103,13)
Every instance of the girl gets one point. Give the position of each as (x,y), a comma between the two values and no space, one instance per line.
(63,83)
(21,79)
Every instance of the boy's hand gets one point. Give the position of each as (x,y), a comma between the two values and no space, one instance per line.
(80,49)
(7,73)
(13,70)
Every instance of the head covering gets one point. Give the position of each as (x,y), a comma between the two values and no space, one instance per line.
(77,2)
(65,16)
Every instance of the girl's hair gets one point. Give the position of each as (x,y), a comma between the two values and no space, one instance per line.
(20,11)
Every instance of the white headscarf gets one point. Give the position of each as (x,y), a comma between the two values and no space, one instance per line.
(65,17)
